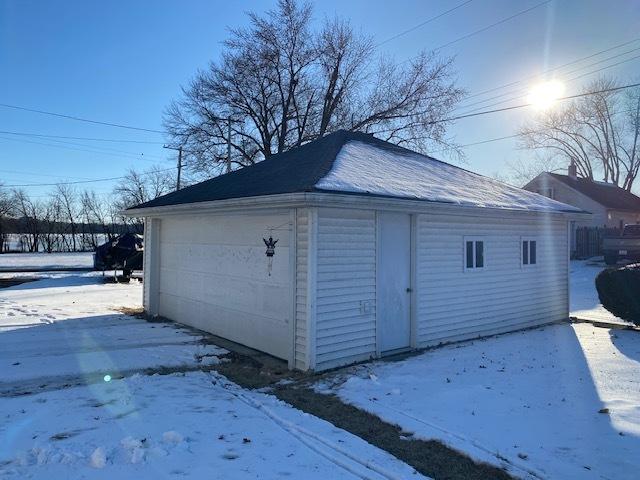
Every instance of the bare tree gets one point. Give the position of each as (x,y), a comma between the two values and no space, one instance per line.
(600,133)
(6,209)
(68,204)
(29,214)
(99,221)
(284,84)
(51,237)
(139,187)
(520,171)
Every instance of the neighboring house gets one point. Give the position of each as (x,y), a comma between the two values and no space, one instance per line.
(379,250)
(610,205)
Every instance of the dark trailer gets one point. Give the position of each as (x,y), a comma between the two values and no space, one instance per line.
(123,253)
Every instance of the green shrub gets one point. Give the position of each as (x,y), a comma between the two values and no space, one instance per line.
(619,291)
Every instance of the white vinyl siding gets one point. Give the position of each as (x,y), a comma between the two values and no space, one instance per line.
(211,273)
(301,361)
(345,286)
(452,305)
(214,276)
(151,266)
(146,266)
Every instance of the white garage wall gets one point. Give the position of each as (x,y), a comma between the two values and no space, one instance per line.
(146,267)
(213,276)
(150,265)
(345,287)
(453,304)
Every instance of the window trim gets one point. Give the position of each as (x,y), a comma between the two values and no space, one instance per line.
(549,192)
(521,249)
(474,239)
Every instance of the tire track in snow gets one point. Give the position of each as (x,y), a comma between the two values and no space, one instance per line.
(516,465)
(336,455)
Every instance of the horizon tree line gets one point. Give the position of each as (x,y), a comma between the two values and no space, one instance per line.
(71,220)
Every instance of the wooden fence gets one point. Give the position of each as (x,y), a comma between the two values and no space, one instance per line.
(588,241)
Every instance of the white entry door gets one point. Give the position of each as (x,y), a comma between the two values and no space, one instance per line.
(394,281)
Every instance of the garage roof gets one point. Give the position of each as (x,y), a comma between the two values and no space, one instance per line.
(358,163)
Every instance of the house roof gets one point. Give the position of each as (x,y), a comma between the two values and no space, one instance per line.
(357,163)
(606,194)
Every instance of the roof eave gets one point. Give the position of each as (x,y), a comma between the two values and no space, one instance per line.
(586,195)
(339,200)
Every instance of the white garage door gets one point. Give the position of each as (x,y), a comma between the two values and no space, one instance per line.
(214,276)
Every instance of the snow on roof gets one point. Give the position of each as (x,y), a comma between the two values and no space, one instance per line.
(368,169)
(355,162)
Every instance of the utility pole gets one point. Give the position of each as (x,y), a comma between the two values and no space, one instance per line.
(228,144)
(179,168)
(179,149)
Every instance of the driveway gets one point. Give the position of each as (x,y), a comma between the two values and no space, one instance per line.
(80,397)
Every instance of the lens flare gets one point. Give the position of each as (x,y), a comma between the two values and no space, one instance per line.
(546,94)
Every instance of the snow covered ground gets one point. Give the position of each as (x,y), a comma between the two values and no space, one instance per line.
(195,425)
(584,296)
(44,261)
(529,401)
(63,346)
(66,326)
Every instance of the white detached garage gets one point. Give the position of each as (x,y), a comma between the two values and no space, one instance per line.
(378,249)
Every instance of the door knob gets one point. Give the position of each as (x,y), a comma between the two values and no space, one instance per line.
(409,290)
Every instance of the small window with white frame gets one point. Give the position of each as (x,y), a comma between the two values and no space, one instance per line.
(528,251)
(474,254)
(547,192)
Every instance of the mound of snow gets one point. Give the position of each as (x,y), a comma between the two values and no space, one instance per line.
(98,458)
(363,168)
(172,437)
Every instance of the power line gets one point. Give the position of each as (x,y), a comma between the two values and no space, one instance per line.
(506,137)
(607,90)
(573,62)
(104,151)
(113,140)
(97,122)
(95,180)
(409,30)
(495,24)
(79,119)
(483,29)
(229,120)
(515,107)
(569,80)
(19,172)
(519,90)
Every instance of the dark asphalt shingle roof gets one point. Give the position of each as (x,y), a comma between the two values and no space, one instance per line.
(607,195)
(366,166)
(297,170)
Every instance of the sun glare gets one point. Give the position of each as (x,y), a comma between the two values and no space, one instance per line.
(544,95)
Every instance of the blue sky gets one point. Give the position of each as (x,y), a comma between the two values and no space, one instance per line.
(123,62)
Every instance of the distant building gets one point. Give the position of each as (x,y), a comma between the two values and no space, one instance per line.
(610,205)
